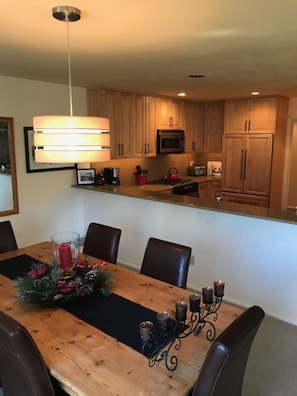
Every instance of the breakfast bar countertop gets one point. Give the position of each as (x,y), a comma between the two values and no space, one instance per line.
(160,193)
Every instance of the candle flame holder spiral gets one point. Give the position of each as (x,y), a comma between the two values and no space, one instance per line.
(163,342)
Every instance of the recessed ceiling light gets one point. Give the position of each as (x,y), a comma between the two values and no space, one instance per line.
(182,94)
(196,75)
(255,93)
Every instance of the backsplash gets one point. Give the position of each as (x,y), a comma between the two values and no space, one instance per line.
(158,166)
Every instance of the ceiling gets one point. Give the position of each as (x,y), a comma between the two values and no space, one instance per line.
(151,47)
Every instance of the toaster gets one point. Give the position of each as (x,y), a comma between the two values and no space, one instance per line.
(197,170)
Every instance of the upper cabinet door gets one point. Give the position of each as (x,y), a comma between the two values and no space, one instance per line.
(169,114)
(124,125)
(236,116)
(189,125)
(262,115)
(214,126)
(250,115)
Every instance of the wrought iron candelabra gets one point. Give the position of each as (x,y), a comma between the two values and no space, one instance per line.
(158,344)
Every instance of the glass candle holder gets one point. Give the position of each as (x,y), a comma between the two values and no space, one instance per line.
(163,320)
(146,331)
(207,295)
(65,248)
(181,311)
(219,288)
(194,302)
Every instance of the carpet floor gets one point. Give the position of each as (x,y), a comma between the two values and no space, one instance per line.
(272,364)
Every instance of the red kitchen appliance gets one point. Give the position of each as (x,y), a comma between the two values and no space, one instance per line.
(172,174)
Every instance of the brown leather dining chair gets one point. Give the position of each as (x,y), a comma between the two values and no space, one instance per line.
(7,237)
(22,368)
(166,261)
(102,242)
(223,369)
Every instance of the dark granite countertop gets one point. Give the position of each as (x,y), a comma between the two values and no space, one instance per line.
(161,193)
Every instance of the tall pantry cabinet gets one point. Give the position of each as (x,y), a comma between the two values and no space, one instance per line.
(254,151)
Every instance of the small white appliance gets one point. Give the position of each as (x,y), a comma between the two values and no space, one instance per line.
(214,168)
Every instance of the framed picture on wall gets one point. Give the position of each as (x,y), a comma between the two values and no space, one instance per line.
(31,164)
(86,176)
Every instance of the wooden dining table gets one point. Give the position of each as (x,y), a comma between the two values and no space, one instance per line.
(87,361)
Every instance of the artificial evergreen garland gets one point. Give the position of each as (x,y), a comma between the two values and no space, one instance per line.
(43,284)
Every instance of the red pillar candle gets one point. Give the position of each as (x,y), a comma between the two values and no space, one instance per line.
(65,256)
(219,288)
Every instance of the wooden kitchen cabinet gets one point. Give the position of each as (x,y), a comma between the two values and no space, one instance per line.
(247,160)
(103,103)
(268,115)
(214,126)
(193,120)
(251,115)
(125,124)
(132,134)
(169,113)
(144,131)
(204,189)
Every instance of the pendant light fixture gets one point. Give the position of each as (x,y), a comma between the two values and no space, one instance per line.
(70,139)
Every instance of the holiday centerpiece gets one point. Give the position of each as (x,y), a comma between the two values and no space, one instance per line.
(46,284)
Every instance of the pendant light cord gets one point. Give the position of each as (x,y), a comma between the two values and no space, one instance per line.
(69,70)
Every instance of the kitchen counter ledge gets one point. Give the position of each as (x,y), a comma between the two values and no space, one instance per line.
(142,192)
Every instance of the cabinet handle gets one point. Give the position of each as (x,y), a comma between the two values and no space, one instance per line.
(193,146)
(148,148)
(249,125)
(242,165)
(144,148)
(245,125)
(122,149)
(171,121)
(119,150)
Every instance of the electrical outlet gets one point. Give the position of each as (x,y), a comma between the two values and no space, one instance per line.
(192,260)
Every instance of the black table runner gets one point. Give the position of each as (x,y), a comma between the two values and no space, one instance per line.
(112,314)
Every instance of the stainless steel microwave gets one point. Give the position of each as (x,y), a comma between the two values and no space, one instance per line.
(170,141)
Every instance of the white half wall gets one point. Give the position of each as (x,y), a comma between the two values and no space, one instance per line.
(256,258)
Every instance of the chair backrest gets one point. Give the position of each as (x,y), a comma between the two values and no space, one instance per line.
(102,242)
(7,237)
(22,369)
(223,369)
(166,261)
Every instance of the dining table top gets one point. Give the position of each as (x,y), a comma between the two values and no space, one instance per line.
(87,361)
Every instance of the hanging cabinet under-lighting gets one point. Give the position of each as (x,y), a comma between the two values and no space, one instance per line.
(70,139)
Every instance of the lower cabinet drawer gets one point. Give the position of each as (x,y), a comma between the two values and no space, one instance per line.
(246,199)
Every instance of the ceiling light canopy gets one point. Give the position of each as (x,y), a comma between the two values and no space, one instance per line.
(70,139)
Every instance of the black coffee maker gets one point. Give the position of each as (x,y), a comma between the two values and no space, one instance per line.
(112,176)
